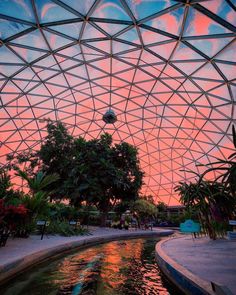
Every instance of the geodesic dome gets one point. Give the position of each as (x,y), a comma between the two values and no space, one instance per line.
(166,68)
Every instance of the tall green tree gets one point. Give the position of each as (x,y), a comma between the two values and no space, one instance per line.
(56,156)
(104,173)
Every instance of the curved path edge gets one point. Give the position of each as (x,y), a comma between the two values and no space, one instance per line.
(16,267)
(185,280)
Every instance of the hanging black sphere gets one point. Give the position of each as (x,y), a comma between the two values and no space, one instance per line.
(109,117)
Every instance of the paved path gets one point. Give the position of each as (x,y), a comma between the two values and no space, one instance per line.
(210,260)
(21,253)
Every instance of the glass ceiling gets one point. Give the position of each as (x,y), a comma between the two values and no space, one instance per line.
(166,68)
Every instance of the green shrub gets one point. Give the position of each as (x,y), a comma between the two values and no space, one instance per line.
(63,228)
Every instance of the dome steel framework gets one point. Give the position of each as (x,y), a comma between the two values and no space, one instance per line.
(166,68)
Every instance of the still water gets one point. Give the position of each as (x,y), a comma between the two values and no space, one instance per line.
(115,268)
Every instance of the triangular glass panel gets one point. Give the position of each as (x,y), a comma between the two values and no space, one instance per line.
(27,74)
(229,53)
(170,72)
(130,57)
(227,70)
(7,56)
(170,22)
(10,28)
(223,9)
(9,69)
(150,37)
(183,52)
(210,46)
(149,58)
(111,10)
(40,90)
(163,50)
(10,87)
(27,54)
(56,41)
(59,80)
(32,39)
(118,66)
(208,72)
(127,75)
(141,76)
(119,47)
(142,9)
(79,71)
(103,64)
(130,36)
(198,24)
(233,90)
(110,28)
(221,91)
(206,84)
(72,30)
(48,11)
(72,51)
(82,7)
(102,45)
(90,53)
(153,69)
(147,86)
(18,9)
(188,67)
(90,32)
(46,74)
(47,62)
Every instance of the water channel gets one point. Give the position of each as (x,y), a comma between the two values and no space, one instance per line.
(116,268)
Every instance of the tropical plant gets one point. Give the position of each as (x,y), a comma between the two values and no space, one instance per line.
(210,200)
(39,182)
(226,168)
(37,202)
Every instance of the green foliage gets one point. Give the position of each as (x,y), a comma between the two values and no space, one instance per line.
(60,211)
(5,183)
(65,229)
(39,182)
(211,200)
(96,171)
(144,208)
(36,204)
(56,156)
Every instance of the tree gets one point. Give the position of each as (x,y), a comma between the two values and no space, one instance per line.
(104,174)
(56,156)
(144,209)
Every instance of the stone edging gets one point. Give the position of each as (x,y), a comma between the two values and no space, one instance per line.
(10,270)
(186,281)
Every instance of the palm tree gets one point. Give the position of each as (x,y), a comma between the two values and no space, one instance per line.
(40,182)
(39,188)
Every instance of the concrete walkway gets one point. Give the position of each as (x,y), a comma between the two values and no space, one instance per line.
(209,260)
(18,254)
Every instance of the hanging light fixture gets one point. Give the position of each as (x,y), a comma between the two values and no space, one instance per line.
(109,117)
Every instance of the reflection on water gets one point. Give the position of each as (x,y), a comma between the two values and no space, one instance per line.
(115,268)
